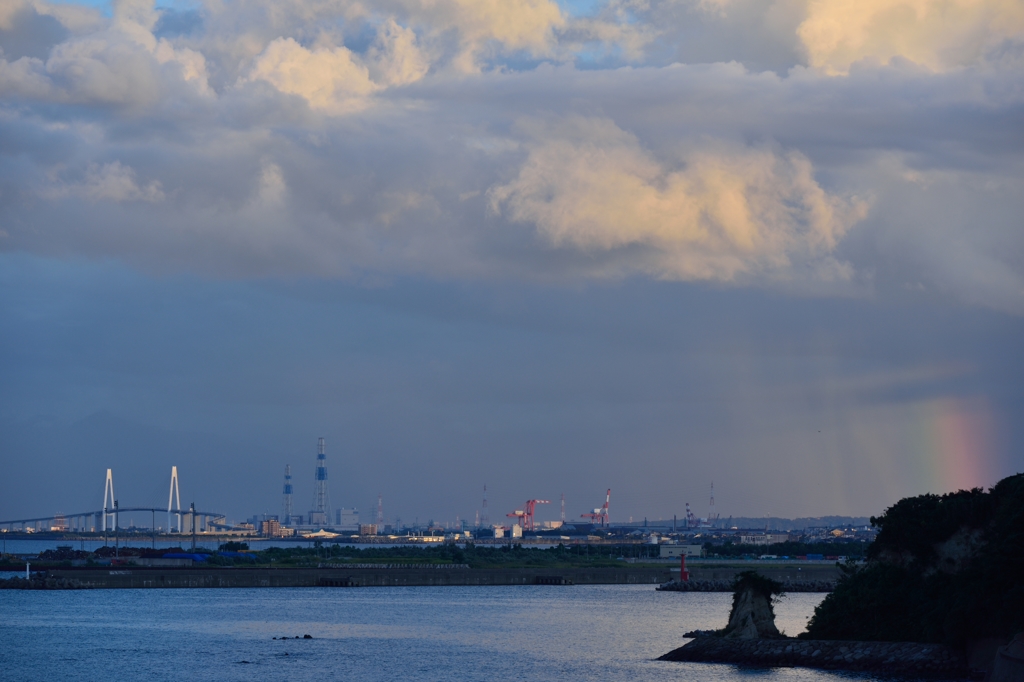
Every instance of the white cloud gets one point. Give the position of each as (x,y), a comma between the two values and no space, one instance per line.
(413,135)
(120,63)
(328,78)
(939,34)
(395,58)
(713,214)
(480,27)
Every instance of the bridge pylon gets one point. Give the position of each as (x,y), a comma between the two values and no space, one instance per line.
(108,495)
(174,500)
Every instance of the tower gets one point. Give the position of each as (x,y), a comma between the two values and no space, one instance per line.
(563,509)
(320,514)
(108,489)
(287,517)
(174,500)
(484,518)
(380,512)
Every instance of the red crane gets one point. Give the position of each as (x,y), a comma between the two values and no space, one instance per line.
(691,520)
(600,515)
(525,516)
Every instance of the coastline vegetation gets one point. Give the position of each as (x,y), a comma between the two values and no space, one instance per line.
(475,556)
(505,556)
(851,550)
(944,568)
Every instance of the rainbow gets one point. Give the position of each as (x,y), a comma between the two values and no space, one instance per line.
(956,444)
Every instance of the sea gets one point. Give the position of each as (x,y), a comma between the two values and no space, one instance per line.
(496,633)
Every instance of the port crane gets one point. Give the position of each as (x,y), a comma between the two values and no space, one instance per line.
(600,515)
(525,515)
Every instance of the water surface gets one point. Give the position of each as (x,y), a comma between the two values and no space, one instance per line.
(583,632)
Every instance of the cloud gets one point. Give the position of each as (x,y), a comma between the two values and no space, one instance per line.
(327,78)
(25,32)
(335,80)
(778,34)
(272,190)
(711,214)
(948,232)
(120,64)
(107,182)
(939,34)
(462,32)
(468,139)
(394,58)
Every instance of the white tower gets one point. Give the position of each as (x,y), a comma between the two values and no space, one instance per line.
(321,512)
(174,500)
(108,493)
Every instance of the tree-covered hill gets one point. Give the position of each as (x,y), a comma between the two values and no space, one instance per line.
(946,568)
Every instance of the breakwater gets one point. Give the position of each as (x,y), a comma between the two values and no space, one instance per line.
(727,586)
(783,572)
(171,577)
(896,658)
(795,577)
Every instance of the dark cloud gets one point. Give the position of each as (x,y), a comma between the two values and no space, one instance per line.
(425,391)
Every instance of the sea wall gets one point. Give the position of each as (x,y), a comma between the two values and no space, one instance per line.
(790,572)
(727,586)
(795,577)
(895,658)
(143,577)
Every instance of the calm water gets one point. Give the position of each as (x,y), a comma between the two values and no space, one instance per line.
(420,633)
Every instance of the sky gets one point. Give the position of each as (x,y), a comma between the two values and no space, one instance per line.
(546,247)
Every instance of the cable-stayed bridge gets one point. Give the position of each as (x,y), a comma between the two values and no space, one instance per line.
(108,518)
(92,521)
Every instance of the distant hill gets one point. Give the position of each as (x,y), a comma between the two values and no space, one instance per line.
(794,524)
(760,522)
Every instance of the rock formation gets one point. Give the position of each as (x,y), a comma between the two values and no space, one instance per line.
(752,616)
(1009,663)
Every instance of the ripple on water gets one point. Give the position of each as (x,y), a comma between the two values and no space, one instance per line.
(582,632)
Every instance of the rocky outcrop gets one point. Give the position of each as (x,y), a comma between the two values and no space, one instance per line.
(895,658)
(956,553)
(752,616)
(1009,663)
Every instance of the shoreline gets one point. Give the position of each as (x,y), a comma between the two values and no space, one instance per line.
(711,579)
(137,577)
